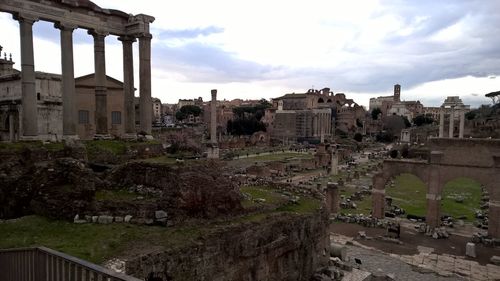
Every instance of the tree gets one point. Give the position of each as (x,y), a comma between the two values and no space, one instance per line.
(187,110)
(494,96)
(422,120)
(407,122)
(375,113)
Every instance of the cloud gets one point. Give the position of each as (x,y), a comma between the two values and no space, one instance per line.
(200,62)
(190,33)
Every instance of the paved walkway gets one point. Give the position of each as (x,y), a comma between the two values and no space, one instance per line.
(424,266)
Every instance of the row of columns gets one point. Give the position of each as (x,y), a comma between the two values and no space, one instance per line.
(322,124)
(451,125)
(70,115)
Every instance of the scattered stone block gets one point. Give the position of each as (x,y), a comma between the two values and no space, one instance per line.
(470,250)
(495,260)
(94,219)
(127,218)
(105,219)
(118,219)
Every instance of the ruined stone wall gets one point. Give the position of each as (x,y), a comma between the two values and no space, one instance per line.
(280,247)
(198,189)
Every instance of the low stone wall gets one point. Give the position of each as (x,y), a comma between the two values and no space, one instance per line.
(279,247)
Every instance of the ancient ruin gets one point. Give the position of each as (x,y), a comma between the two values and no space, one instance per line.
(68,16)
(448,159)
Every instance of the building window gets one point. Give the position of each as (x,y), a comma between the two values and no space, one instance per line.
(38,96)
(83,116)
(116,117)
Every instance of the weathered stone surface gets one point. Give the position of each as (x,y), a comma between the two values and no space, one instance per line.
(495,260)
(105,219)
(199,190)
(127,218)
(470,250)
(280,247)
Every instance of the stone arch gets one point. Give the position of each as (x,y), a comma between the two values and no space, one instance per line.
(321,100)
(393,168)
(487,177)
(459,199)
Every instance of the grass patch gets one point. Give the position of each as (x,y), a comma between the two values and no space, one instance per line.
(255,192)
(466,188)
(114,147)
(305,206)
(363,207)
(409,193)
(93,242)
(160,160)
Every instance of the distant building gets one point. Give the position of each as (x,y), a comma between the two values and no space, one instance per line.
(392,105)
(157,109)
(312,116)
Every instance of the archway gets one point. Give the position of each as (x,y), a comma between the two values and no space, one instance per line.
(461,198)
(407,192)
(320,100)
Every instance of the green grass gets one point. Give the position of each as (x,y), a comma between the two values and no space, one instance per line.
(113,146)
(255,192)
(305,206)
(93,242)
(409,193)
(467,188)
(363,207)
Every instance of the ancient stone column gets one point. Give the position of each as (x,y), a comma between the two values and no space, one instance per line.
(145,102)
(433,196)
(70,114)
(332,198)
(28,90)
(101,102)
(378,197)
(452,118)
(128,84)
(441,122)
(462,124)
(494,219)
(213,117)
(335,164)
(12,136)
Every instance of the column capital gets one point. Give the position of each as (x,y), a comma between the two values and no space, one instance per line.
(23,17)
(127,39)
(144,36)
(98,33)
(65,26)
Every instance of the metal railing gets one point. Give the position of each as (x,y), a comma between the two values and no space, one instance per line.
(43,264)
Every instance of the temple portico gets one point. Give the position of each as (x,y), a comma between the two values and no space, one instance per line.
(68,16)
(455,109)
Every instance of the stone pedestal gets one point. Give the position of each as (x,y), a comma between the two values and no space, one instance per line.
(433,210)
(470,250)
(378,203)
(332,198)
(213,152)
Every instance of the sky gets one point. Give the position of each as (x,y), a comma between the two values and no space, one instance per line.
(264,49)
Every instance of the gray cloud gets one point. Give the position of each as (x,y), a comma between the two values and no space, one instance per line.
(200,62)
